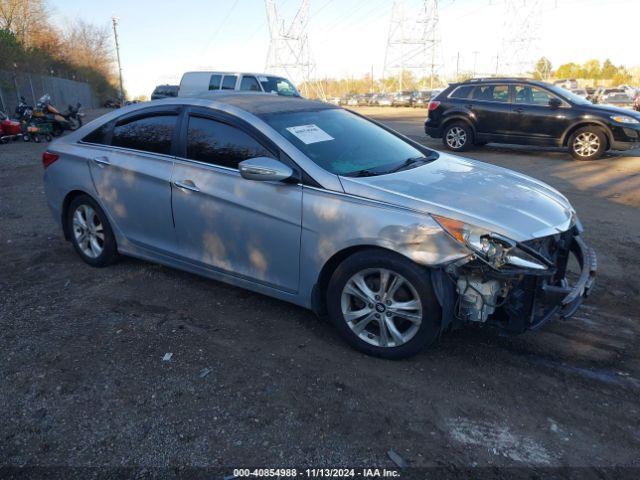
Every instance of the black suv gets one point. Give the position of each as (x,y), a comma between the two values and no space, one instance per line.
(528,112)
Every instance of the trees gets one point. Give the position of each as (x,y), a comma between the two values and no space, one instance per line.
(543,69)
(29,43)
(593,70)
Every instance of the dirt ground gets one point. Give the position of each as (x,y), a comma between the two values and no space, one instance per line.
(84,383)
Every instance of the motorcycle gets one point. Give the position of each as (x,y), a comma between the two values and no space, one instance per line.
(60,122)
(34,123)
(73,114)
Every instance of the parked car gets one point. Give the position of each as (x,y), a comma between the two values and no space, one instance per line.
(569,84)
(384,100)
(310,203)
(364,99)
(618,99)
(111,103)
(528,112)
(603,92)
(581,92)
(164,91)
(193,83)
(402,99)
(636,103)
(421,99)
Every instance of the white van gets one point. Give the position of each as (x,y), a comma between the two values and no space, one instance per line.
(193,83)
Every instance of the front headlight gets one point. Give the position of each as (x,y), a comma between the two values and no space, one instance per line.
(624,119)
(492,248)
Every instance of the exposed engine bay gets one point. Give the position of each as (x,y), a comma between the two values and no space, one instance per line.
(519,286)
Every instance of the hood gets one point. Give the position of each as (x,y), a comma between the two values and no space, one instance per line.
(485,195)
(613,110)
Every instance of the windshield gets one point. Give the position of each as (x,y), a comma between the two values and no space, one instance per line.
(342,142)
(567,95)
(278,85)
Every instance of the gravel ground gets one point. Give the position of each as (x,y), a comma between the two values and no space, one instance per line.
(255,381)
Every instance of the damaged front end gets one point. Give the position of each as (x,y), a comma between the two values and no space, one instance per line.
(516,286)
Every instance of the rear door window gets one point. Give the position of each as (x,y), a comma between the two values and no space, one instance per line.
(229,82)
(491,93)
(214,82)
(250,84)
(221,144)
(151,133)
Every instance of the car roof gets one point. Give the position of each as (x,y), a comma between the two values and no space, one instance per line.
(259,103)
(476,81)
(222,72)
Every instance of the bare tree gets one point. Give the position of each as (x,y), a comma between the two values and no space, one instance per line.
(88,45)
(27,19)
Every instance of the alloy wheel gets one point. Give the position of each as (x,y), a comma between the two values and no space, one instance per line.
(88,231)
(381,307)
(586,144)
(456,137)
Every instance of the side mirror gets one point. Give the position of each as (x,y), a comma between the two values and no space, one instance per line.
(264,169)
(555,103)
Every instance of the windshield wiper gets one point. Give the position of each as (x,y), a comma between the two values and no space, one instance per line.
(410,162)
(362,173)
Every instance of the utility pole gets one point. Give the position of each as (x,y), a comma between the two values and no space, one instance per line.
(475,62)
(115,35)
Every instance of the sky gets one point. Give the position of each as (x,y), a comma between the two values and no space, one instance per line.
(160,39)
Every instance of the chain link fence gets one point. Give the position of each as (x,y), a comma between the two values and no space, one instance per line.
(63,91)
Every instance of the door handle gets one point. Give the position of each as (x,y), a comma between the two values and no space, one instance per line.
(101,161)
(187,185)
(519,110)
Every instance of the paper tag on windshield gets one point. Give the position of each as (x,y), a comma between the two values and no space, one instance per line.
(310,133)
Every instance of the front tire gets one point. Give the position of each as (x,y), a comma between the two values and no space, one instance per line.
(90,232)
(457,136)
(383,304)
(587,143)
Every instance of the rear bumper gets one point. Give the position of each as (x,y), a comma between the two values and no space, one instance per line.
(432,131)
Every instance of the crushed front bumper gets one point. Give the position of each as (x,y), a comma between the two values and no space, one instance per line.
(528,299)
(564,299)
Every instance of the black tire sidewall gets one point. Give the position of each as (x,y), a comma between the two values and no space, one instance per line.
(601,137)
(467,130)
(419,277)
(110,250)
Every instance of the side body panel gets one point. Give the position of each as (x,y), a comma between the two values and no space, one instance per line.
(246,228)
(332,222)
(135,188)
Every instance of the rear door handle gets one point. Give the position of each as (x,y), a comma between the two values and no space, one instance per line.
(187,185)
(101,161)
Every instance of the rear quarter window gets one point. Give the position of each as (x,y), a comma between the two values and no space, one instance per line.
(100,135)
(461,92)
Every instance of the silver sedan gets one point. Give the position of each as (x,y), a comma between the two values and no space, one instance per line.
(310,203)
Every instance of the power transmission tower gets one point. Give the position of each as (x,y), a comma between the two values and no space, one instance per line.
(289,52)
(413,44)
(520,40)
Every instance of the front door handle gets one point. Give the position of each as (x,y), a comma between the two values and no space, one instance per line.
(519,110)
(101,161)
(187,185)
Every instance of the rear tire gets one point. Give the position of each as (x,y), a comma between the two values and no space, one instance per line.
(383,304)
(90,232)
(587,143)
(457,136)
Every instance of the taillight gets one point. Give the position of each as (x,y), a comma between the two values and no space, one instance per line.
(433,104)
(48,158)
